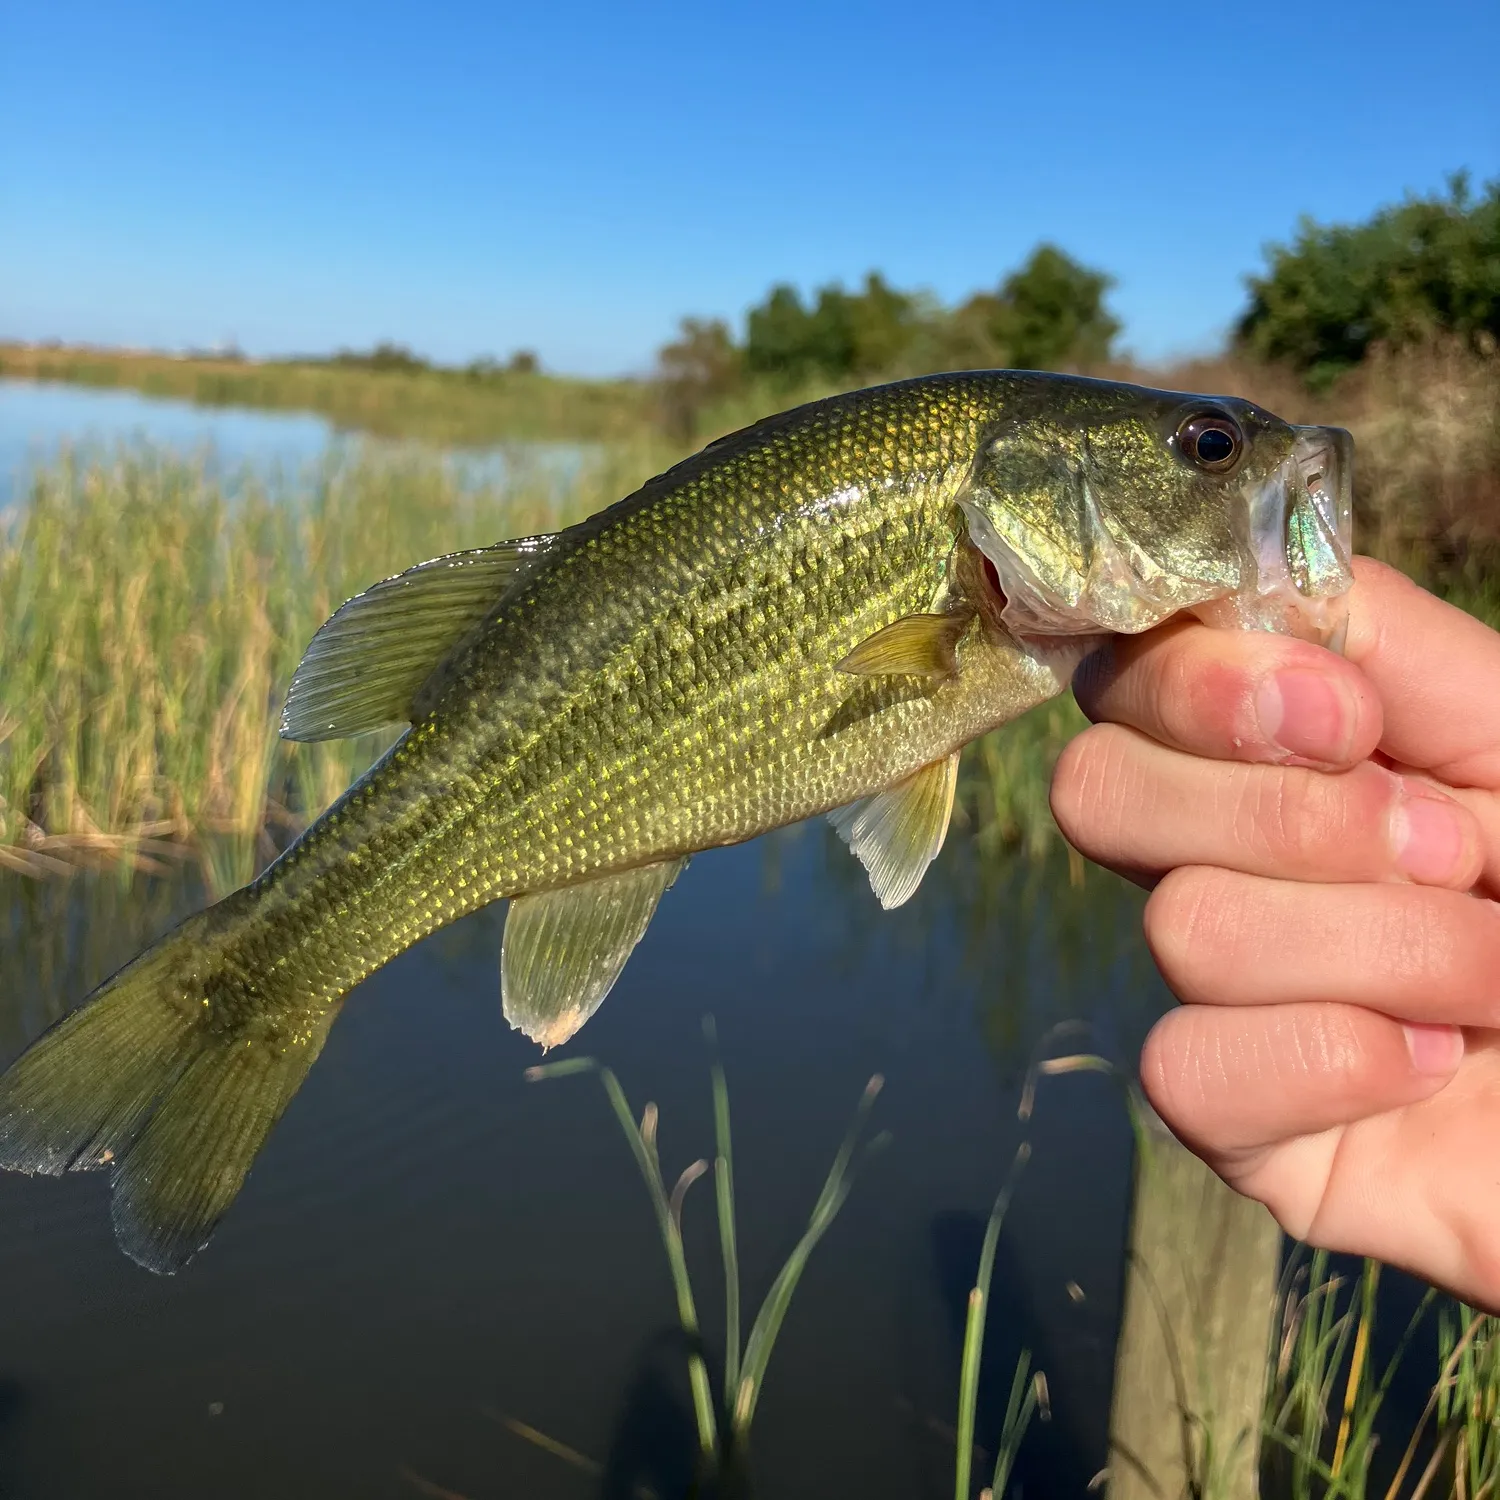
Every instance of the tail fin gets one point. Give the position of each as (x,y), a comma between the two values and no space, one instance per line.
(173,1093)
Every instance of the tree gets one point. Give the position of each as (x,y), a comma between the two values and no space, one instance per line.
(386,357)
(700,366)
(1420,268)
(843,334)
(1048,315)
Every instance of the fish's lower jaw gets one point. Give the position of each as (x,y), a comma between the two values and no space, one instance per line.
(1324,622)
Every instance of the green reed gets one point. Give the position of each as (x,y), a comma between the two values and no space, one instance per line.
(1024,1391)
(152,616)
(723,1424)
(1326,1399)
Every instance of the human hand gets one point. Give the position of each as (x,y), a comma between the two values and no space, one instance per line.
(1323,839)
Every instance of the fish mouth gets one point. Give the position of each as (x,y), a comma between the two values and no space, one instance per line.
(1294,530)
(1298,540)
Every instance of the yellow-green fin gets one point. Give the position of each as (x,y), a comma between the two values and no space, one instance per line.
(897,833)
(914,645)
(367,663)
(564,949)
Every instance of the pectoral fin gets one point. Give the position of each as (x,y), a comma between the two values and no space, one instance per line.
(564,949)
(367,663)
(914,645)
(897,833)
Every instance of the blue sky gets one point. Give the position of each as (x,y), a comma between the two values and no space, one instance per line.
(471,178)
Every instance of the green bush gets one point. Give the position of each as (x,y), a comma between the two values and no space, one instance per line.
(1414,271)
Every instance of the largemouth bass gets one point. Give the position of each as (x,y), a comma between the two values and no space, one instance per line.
(810,616)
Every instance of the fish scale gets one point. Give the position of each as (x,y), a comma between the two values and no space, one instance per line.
(814,613)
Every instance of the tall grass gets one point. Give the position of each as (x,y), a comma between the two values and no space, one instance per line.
(152,615)
(1326,1412)
(152,618)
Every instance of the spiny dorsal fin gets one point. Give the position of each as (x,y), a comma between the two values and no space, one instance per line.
(564,949)
(366,664)
(914,645)
(897,833)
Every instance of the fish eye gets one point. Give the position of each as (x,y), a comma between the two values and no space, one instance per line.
(1211,441)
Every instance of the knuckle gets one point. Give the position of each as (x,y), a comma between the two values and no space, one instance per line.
(1417,946)
(1305,820)
(1328,1044)
(1444,944)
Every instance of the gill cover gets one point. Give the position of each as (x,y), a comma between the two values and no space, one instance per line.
(1090,533)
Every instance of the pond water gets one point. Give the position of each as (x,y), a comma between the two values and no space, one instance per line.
(430,1245)
(39,420)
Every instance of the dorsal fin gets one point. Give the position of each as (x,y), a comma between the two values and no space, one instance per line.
(367,662)
(897,833)
(564,949)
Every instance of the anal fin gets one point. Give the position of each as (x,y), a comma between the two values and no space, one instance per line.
(564,949)
(897,833)
(915,645)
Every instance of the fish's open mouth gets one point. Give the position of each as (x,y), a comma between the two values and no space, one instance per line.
(1298,542)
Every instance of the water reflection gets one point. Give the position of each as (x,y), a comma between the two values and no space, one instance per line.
(41,420)
(426,1238)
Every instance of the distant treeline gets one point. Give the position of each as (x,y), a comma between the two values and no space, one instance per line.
(1049,314)
(387,357)
(1424,269)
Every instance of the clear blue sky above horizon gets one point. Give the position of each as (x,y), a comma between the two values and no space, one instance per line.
(472,178)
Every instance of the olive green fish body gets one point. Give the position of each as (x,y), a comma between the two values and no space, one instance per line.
(821,609)
(667,684)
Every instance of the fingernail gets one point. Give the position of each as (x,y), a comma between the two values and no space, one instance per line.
(1428,835)
(1306,713)
(1435,1050)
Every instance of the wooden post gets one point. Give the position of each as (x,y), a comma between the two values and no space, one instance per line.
(1191,1364)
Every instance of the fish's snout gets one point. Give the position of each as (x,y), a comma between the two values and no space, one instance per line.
(1300,541)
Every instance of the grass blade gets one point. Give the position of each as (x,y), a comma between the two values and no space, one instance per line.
(642,1144)
(968,1378)
(773,1309)
(724,1198)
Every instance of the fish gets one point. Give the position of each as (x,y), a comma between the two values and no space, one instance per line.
(810,616)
